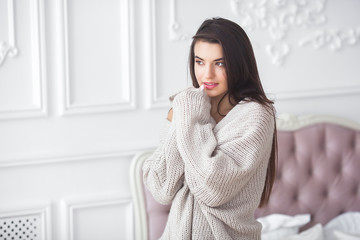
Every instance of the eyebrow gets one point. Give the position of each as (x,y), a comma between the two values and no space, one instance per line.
(216,60)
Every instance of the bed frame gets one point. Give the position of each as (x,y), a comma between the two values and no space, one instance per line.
(318,173)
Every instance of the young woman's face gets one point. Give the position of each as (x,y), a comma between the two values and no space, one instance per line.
(210,68)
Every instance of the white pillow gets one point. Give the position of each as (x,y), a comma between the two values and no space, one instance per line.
(313,233)
(345,236)
(347,223)
(279,226)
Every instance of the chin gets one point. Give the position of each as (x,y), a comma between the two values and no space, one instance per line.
(214,94)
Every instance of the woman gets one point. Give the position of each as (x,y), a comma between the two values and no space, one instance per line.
(216,160)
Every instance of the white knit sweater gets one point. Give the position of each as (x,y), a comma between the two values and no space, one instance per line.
(213,174)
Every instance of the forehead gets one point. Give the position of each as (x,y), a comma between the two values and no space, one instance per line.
(208,51)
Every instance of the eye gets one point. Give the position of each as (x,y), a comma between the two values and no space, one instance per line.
(199,62)
(220,64)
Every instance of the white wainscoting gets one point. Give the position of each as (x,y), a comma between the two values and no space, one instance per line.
(84,214)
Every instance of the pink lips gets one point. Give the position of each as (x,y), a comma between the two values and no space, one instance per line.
(210,85)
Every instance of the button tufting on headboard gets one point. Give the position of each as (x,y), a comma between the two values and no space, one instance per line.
(318,170)
(325,193)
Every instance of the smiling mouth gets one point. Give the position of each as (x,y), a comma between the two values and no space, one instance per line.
(210,85)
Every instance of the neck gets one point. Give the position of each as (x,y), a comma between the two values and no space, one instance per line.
(218,113)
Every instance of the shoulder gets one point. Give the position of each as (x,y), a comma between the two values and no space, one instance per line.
(252,108)
(251,113)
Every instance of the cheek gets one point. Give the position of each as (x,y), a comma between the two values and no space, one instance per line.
(198,74)
(224,80)
(222,75)
(225,83)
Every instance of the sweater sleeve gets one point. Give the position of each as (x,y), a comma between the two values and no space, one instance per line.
(163,171)
(215,172)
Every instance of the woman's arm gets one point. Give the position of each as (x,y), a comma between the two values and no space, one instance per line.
(163,171)
(215,174)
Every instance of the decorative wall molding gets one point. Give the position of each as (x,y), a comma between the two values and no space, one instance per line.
(127,93)
(8,48)
(153,99)
(279,18)
(39,212)
(277,53)
(334,39)
(39,90)
(175,25)
(156,101)
(35,160)
(71,205)
(317,93)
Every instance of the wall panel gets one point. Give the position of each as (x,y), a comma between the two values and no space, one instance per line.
(96,32)
(22,60)
(83,215)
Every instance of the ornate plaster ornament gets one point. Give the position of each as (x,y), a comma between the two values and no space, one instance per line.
(334,39)
(279,17)
(8,48)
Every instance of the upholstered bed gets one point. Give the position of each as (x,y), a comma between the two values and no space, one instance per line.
(318,175)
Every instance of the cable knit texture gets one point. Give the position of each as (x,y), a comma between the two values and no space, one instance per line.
(213,174)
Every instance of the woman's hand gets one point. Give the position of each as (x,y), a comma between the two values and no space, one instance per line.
(192,105)
(191,97)
(170,115)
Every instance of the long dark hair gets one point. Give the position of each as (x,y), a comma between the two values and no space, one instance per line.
(242,76)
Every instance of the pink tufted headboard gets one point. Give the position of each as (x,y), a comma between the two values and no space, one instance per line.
(318,172)
(318,168)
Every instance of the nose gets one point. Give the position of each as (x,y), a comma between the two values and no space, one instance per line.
(209,71)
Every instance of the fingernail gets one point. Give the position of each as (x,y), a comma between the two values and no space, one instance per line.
(202,87)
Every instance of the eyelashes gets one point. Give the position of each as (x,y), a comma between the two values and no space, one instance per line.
(219,64)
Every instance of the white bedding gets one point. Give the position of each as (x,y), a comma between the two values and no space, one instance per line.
(283,227)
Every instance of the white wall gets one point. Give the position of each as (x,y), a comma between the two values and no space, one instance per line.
(84,86)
